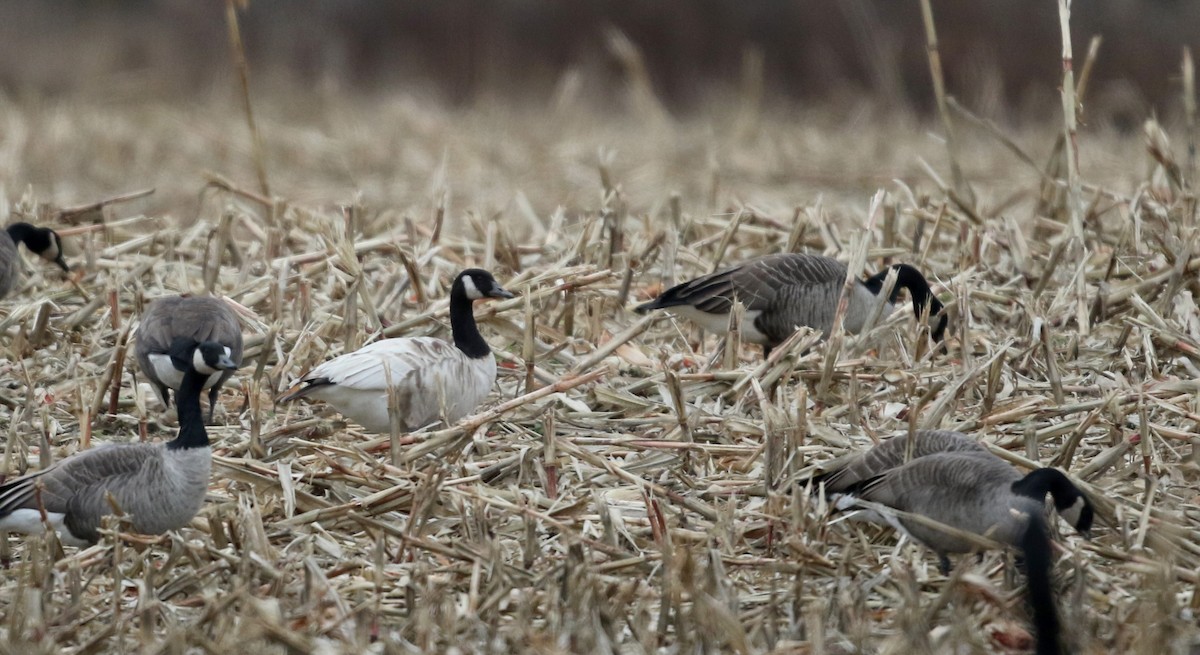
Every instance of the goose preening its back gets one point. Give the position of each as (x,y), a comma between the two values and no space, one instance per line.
(175,322)
(953,480)
(432,378)
(160,486)
(41,241)
(785,291)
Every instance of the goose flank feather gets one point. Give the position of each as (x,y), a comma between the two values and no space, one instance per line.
(782,292)
(433,379)
(160,486)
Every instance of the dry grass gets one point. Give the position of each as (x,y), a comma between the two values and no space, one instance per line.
(628,489)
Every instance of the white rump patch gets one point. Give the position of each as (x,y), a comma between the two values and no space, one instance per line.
(719,323)
(29,521)
(469,286)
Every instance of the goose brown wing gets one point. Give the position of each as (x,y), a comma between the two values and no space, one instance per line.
(59,483)
(891,453)
(757,283)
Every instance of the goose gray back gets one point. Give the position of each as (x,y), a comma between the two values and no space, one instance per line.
(853,469)
(42,241)
(783,292)
(176,322)
(433,379)
(160,486)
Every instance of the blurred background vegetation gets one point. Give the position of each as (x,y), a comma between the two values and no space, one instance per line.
(1000,56)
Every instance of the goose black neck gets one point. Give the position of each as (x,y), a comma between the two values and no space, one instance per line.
(21,232)
(462,324)
(907,277)
(910,278)
(1035,543)
(191,421)
(1040,482)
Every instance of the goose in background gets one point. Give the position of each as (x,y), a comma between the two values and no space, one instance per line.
(175,322)
(783,292)
(41,241)
(160,486)
(433,379)
(951,479)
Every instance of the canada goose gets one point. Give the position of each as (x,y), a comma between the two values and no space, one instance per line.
(953,480)
(42,241)
(785,291)
(160,486)
(428,374)
(176,321)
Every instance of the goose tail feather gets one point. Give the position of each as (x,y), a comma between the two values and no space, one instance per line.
(303,388)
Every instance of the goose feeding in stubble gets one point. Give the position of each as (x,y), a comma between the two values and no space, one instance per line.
(953,480)
(159,486)
(175,321)
(41,241)
(783,292)
(433,379)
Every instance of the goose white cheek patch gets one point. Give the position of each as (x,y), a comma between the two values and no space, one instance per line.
(472,290)
(200,365)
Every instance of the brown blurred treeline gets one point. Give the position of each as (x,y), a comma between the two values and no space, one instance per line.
(999,55)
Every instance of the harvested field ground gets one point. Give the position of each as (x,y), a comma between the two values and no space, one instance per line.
(629,486)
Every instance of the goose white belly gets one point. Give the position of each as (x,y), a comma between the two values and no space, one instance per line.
(719,323)
(29,521)
(173,377)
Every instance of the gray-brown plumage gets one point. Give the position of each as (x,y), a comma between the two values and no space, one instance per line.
(41,241)
(193,319)
(783,292)
(160,486)
(950,478)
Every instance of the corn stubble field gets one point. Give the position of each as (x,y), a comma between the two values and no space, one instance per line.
(630,485)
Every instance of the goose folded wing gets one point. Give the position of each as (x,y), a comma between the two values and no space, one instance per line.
(847,472)
(370,367)
(56,486)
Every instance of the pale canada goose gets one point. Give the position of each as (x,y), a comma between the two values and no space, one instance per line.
(160,486)
(41,241)
(433,379)
(785,291)
(953,480)
(175,321)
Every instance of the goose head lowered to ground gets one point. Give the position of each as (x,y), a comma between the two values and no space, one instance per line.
(783,292)
(953,480)
(432,379)
(174,322)
(160,486)
(41,241)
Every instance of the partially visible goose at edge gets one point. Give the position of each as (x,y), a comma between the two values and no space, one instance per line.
(428,374)
(41,241)
(953,480)
(160,486)
(785,291)
(176,321)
